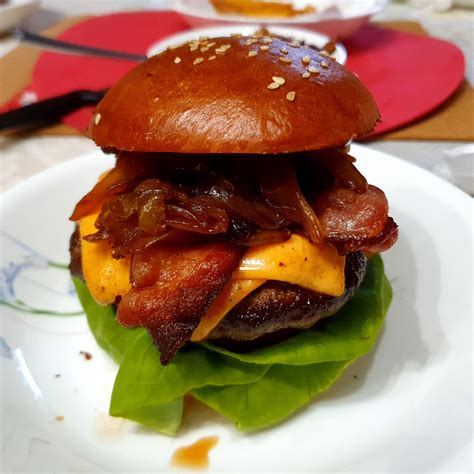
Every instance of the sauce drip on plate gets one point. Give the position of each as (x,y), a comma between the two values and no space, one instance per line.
(195,455)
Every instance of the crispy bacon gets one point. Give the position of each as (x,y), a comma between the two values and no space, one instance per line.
(172,289)
(353,220)
(369,245)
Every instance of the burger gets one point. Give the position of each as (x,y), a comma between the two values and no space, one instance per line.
(234,230)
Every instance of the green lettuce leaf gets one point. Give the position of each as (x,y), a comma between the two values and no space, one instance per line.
(351,334)
(110,335)
(239,386)
(282,390)
(164,418)
(142,382)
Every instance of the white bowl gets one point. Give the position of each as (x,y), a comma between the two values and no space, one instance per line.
(14,12)
(335,18)
(309,37)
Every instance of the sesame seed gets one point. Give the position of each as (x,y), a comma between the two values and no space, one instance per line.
(294,44)
(193,47)
(97,119)
(198,61)
(220,51)
(333,58)
(204,49)
(273,85)
(267,40)
(211,58)
(264,48)
(248,42)
(177,60)
(324,64)
(305,75)
(211,44)
(314,70)
(203,42)
(283,51)
(306,60)
(252,54)
(291,96)
(324,53)
(278,80)
(285,60)
(226,46)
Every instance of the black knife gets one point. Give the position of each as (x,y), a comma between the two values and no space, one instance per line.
(48,111)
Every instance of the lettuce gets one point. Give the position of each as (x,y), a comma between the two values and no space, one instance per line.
(238,385)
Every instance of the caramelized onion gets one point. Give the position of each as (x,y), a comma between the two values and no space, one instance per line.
(265,237)
(280,190)
(247,200)
(225,192)
(341,165)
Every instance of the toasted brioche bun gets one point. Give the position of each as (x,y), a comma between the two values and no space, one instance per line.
(174,102)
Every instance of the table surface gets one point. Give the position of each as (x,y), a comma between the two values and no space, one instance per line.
(21,158)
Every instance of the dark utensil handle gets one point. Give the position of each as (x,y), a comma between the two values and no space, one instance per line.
(48,111)
(66,47)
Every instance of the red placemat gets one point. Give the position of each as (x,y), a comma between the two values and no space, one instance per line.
(409,75)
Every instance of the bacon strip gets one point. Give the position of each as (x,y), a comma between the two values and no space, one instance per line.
(356,221)
(370,245)
(173,288)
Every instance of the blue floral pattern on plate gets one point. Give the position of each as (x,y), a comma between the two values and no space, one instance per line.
(26,274)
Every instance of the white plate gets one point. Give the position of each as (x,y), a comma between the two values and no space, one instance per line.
(309,37)
(335,18)
(409,409)
(13,12)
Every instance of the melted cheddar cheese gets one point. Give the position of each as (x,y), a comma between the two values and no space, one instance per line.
(317,267)
(106,277)
(234,292)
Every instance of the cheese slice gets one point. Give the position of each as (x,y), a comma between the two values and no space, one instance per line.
(106,277)
(234,292)
(317,267)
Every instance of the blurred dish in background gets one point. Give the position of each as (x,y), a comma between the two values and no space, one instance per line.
(13,12)
(262,8)
(335,18)
(315,40)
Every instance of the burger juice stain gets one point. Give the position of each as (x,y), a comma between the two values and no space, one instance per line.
(196,455)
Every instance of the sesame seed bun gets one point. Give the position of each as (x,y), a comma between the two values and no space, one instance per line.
(228,95)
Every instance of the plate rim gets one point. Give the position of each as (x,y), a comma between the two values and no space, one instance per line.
(154,48)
